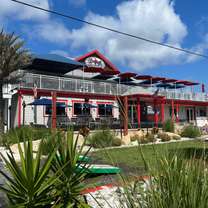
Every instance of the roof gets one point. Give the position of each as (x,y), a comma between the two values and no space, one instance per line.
(54,63)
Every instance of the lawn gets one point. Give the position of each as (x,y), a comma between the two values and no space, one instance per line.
(131,156)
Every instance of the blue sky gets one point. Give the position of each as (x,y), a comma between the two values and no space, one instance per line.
(180,23)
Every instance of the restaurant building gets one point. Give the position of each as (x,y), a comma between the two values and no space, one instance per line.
(93,77)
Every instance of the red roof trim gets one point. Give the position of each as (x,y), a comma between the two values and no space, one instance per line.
(100,55)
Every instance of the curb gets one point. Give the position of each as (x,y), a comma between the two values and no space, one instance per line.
(108,186)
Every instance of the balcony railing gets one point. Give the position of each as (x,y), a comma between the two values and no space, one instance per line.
(98,87)
(72,85)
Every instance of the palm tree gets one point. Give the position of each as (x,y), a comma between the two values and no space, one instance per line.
(12,58)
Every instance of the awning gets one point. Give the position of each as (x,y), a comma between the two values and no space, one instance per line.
(53,63)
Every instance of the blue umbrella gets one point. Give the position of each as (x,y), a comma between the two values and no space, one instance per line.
(103,77)
(175,86)
(128,83)
(64,105)
(44,101)
(148,82)
(163,85)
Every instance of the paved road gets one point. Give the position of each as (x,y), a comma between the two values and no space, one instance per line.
(3,203)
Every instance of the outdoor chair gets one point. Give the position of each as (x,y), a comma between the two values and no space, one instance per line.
(74,120)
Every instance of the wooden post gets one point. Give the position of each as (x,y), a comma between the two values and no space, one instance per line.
(155,114)
(138,110)
(125,116)
(54,111)
(163,113)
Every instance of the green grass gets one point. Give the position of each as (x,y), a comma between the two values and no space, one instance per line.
(131,156)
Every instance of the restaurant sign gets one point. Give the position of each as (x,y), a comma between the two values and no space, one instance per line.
(95,62)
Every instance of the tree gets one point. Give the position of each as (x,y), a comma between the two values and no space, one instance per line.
(12,58)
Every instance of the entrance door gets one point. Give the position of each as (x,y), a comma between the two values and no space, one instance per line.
(132,114)
(189,114)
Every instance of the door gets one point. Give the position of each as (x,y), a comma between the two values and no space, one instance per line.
(189,114)
(132,114)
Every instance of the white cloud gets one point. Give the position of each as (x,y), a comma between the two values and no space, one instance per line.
(18,11)
(151,19)
(61,53)
(77,3)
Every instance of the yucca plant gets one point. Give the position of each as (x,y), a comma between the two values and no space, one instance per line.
(71,179)
(31,187)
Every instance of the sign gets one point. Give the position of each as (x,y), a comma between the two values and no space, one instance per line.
(201,121)
(206,97)
(95,62)
(35,91)
(150,110)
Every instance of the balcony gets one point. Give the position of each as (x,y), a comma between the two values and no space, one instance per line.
(72,85)
(98,87)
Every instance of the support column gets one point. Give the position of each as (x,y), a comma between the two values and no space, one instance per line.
(176,113)
(155,109)
(54,111)
(8,114)
(163,113)
(172,114)
(125,116)
(20,100)
(138,110)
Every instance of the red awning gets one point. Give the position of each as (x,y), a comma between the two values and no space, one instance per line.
(181,82)
(127,74)
(110,72)
(143,76)
(92,69)
(169,80)
(157,78)
(192,83)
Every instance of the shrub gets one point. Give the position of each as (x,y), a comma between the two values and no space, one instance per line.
(176,138)
(164,137)
(143,141)
(190,131)
(84,131)
(103,138)
(10,137)
(150,137)
(140,129)
(133,138)
(168,125)
(155,129)
(159,135)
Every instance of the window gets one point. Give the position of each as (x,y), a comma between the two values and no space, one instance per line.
(79,109)
(202,113)
(105,109)
(60,111)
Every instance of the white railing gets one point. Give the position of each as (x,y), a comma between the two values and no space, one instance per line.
(71,85)
(98,87)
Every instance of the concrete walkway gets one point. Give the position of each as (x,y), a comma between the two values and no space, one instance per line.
(3,203)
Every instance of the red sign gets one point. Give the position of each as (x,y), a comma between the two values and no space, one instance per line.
(35,91)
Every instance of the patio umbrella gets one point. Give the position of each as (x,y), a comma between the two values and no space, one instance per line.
(191,84)
(143,76)
(102,77)
(110,72)
(127,75)
(163,85)
(157,79)
(181,82)
(128,83)
(175,86)
(147,82)
(44,101)
(169,80)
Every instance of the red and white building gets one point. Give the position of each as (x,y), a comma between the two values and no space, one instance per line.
(55,73)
